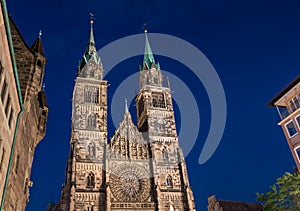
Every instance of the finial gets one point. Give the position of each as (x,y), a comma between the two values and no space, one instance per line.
(126,106)
(91,18)
(145,28)
(40,34)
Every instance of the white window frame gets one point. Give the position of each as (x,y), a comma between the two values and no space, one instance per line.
(293,102)
(295,150)
(297,121)
(285,125)
(296,96)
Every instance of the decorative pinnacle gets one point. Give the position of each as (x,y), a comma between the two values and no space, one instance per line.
(145,28)
(126,106)
(40,34)
(92,18)
(92,40)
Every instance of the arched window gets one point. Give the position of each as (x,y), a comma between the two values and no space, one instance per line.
(158,100)
(165,154)
(91,180)
(87,96)
(92,73)
(169,182)
(91,150)
(95,96)
(91,208)
(91,121)
(39,63)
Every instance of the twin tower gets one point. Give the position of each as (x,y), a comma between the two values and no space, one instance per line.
(139,168)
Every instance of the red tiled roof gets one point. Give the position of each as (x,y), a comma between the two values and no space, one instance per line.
(239,206)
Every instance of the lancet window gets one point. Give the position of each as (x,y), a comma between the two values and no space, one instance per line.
(90,180)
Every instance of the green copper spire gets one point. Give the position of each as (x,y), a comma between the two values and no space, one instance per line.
(90,51)
(92,40)
(91,48)
(148,56)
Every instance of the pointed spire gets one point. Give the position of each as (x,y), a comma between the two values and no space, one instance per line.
(91,51)
(91,43)
(37,45)
(92,40)
(148,56)
(126,106)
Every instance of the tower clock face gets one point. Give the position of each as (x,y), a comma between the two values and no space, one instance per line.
(130,182)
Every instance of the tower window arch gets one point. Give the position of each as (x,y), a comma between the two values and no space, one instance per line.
(39,63)
(91,121)
(91,208)
(169,182)
(91,94)
(87,96)
(92,73)
(91,150)
(90,180)
(158,100)
(95,95)
(165,154)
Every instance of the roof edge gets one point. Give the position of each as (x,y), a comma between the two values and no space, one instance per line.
(284,91)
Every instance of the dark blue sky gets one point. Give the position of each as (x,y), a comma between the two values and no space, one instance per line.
(253,45)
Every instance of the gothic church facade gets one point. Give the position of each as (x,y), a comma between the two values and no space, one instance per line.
(141,167)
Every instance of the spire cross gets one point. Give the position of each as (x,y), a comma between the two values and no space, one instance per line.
(91,18)
(145,28)
(40,33)
(92,40)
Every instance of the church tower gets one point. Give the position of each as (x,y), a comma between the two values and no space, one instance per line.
(141,167)
(157,123)
(85,178)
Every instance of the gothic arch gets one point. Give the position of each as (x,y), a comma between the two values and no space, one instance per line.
(87,95)
(92,73)
(91,121)
(91,149)
(90,180)
(165,154)
(169,181)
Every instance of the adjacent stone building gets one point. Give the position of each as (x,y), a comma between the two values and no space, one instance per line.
(224,205)
(10,98)
(139,168)
(23,111)
(287,103)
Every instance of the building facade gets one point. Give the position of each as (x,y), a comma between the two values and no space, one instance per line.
(139,168)
(23,111)
(225,205)
(287,103)
(10,101)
